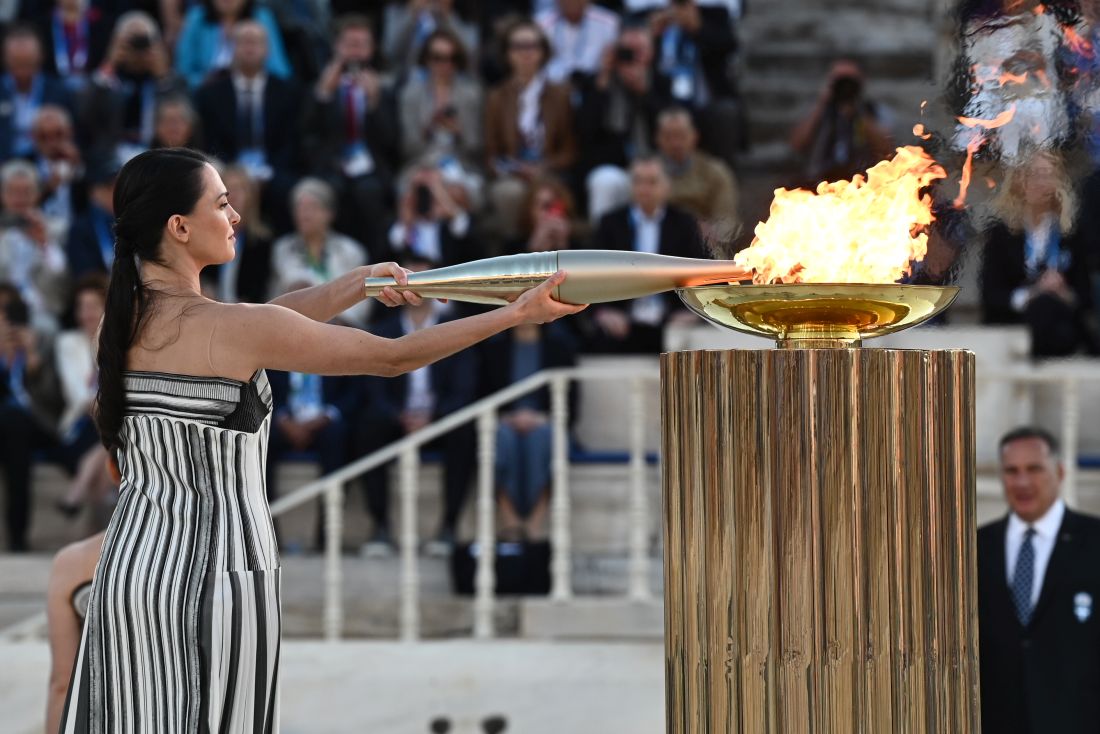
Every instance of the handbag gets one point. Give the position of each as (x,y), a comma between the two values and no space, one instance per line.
(522,567)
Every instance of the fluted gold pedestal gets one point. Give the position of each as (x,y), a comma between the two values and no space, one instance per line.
(819,541)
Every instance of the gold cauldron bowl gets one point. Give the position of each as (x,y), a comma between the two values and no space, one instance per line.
(818,315)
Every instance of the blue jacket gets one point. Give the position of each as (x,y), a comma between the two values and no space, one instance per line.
(198,42)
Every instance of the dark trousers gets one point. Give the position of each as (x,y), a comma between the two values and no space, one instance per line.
(1056,329)
(20,437)
(329,443)
(459,455)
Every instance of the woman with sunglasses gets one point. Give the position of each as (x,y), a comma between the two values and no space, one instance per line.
(528,124)
(440,107)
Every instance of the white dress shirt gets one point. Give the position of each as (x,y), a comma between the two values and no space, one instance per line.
(420,397)
(647,238)
(1046,533)
(578,47)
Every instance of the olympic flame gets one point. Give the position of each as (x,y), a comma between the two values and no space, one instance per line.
(866,230)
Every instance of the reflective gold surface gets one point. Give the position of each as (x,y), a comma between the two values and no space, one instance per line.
(812,314)
(819,542)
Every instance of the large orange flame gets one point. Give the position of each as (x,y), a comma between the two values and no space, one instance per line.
(867,230)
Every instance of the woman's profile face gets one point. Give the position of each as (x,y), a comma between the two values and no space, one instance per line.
(211,240)
(240,189)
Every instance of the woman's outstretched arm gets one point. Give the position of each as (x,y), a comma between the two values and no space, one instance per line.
(252,337)
(326,301)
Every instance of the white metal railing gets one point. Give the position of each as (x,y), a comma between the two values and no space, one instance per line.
(406,451)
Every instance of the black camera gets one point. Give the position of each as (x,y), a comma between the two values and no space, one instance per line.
(624,54)
(16,313)
(448,112)
(847,89)
(423,200)
(140,42)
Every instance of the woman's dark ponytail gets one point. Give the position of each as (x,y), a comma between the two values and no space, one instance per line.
(151,188)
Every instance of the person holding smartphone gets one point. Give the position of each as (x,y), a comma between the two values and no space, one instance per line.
(434,222)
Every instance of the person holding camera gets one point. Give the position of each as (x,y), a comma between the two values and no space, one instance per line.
(618,112)
(59,164)
(351,132)
(843,135)
(440,110)
(579,33)
(118,109)
(434,222)
(31,255)
(24,88)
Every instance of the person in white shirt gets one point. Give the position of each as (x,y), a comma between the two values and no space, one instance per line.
(1038,577)
(578,32)
(32,256)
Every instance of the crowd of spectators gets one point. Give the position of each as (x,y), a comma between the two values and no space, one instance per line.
(427,131)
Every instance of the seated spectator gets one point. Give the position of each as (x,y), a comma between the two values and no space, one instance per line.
(91,244)
(252,119)
(76,35)
(313,254)
(699,183)
(844,134)
(31,255)
(118,108)
(618,113)
(1033,270)
(407,26)
(207,39)
(441,113)
(312,414)
(28,396)
(528,125)
(59,164)
(434,221)
(351,130)
(24,88)
(649,224)
(245,278)
(695,43)
(524,432)
(176,124)
(79,449)
(399,406)
(547,220)
(579,34)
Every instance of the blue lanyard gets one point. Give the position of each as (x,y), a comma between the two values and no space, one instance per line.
(104,236)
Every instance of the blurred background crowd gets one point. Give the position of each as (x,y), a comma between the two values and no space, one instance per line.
(435,132)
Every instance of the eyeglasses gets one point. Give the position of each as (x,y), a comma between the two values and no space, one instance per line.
(525,46)
(441,58)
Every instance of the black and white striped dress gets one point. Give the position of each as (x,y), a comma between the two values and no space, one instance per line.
(182,633)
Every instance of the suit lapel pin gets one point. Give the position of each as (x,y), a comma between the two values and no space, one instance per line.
(1082,606)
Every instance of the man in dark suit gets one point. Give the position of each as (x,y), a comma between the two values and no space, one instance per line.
(402,405)
(351,132)
(24,89)
(648,224)
(91,244)
(1038,584)
(252,118)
